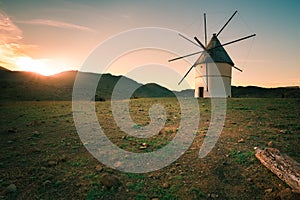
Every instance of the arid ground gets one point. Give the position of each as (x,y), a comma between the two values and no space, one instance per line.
(42,156)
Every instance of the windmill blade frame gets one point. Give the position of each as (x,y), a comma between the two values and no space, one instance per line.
(237,68)
(199,42)
(185,56)
(205,31)
(226,23)
(234,41)
(186,38)
(187,73)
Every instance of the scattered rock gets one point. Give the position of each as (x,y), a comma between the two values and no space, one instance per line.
(117,164)
(11,188)
(165,185)
(269,190)
(124,137)
(249,180)
(10,142)
(270,144)
(109,180)
(144,146)
(98,168)
(155,199)
(52,163)
(36,134)
(282,131)
(241,140)
(214,195)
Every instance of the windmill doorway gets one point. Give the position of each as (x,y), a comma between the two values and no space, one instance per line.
(201,91)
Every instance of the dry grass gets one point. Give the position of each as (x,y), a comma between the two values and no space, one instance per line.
(43,156)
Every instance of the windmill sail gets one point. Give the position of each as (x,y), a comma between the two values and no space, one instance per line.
(214,65)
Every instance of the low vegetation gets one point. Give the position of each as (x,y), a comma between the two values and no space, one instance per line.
(42,156)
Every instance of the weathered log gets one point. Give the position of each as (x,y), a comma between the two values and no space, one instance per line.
(287,169)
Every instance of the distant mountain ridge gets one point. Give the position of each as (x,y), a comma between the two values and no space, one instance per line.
(3,69)
(16,85)
(256,92)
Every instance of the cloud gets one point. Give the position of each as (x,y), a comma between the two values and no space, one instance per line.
(59,24)
(10,41)
(8,30)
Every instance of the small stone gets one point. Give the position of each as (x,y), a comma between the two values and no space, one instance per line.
(166,185)
(10,142)
(144,146)
(155,199)
(36,134)
(249,179)
(109,180)
(268,190)
(282,131)
(270,144)
(213,195)
(11,188)
(241,140)
(117,164)
(98,168)
(52,163)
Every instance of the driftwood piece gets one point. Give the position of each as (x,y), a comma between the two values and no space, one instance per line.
(287,169)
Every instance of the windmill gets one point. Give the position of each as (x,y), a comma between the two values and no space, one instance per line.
(214,66)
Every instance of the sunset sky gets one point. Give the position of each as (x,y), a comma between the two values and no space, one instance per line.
(58,35)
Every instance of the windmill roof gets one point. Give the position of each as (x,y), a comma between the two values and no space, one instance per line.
(218,55)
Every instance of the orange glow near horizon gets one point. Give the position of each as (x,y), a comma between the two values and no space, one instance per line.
(39,66)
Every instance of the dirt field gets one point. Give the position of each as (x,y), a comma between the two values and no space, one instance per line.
(42,156)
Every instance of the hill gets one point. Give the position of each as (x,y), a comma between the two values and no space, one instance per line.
(258,92)
(32,86)
(3,69)
(255,92)
(16,85)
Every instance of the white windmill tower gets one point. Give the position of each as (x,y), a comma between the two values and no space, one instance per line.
(213,67)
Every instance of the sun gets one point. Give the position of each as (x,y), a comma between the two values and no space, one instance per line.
(34,65)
